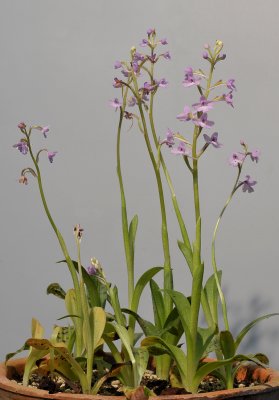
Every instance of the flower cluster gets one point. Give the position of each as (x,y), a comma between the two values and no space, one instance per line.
(24,146)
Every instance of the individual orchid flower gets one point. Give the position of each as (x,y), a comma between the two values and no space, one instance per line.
(167,55)
(181,149)
(190,79)
(247,184)
(144,43)
(204,105)
(213,139)
(236,159)
(23,179)
(21,146)
(203,121)
(169,140)
(51,155)
(162,83)
(115,103)
(228,98)
(186,115)
(117,64)
(230,84)
(255,154)
(45,130)
(132,101)
(163,41)
(78,231)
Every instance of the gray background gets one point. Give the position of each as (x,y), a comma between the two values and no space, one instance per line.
(56,68)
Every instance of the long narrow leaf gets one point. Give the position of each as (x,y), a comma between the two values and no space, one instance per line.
(158,304)
(177,354)
(142,282)
(248,327)
(211,293)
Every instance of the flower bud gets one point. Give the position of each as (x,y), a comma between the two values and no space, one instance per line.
(21,125)
(205,55)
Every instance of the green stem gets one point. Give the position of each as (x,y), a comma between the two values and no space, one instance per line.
(88,329)
(168,279)
(180,220)
(213,256)
(61,242)
(125,225)
(195,174)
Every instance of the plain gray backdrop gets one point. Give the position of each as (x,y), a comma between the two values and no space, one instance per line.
(56,68)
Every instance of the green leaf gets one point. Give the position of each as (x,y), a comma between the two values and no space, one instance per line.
(141,283)
(227,344)
(248,327)
(141,356)
(158,304)
(184,310)
(204,338)
(207,368)
(177,354)
(10,355)
(56,290)
(98,322)
(211,293)
(132,234)
(116,306)
(68,316)
(173,324)
(148,328)
(187,253)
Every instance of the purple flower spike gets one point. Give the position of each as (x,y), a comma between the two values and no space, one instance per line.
(236,159)
(230,84)
(186,115)
(22,147)
(255,154)
(248,184)
(45,130)
(203,122)
(213,139)
(204,105)
(164,41)
(182,149)
(115,103)
(167,55)
(169,141)
(117,65)
(51,155)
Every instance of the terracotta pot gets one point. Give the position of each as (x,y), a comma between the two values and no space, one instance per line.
(268,390)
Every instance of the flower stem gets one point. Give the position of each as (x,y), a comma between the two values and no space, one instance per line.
(213,256)
(62,243)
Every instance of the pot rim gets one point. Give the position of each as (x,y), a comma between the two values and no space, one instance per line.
(268,378)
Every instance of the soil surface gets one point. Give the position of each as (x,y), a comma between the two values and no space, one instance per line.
(113,387)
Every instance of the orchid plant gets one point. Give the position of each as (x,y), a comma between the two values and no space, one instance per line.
(176,314)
